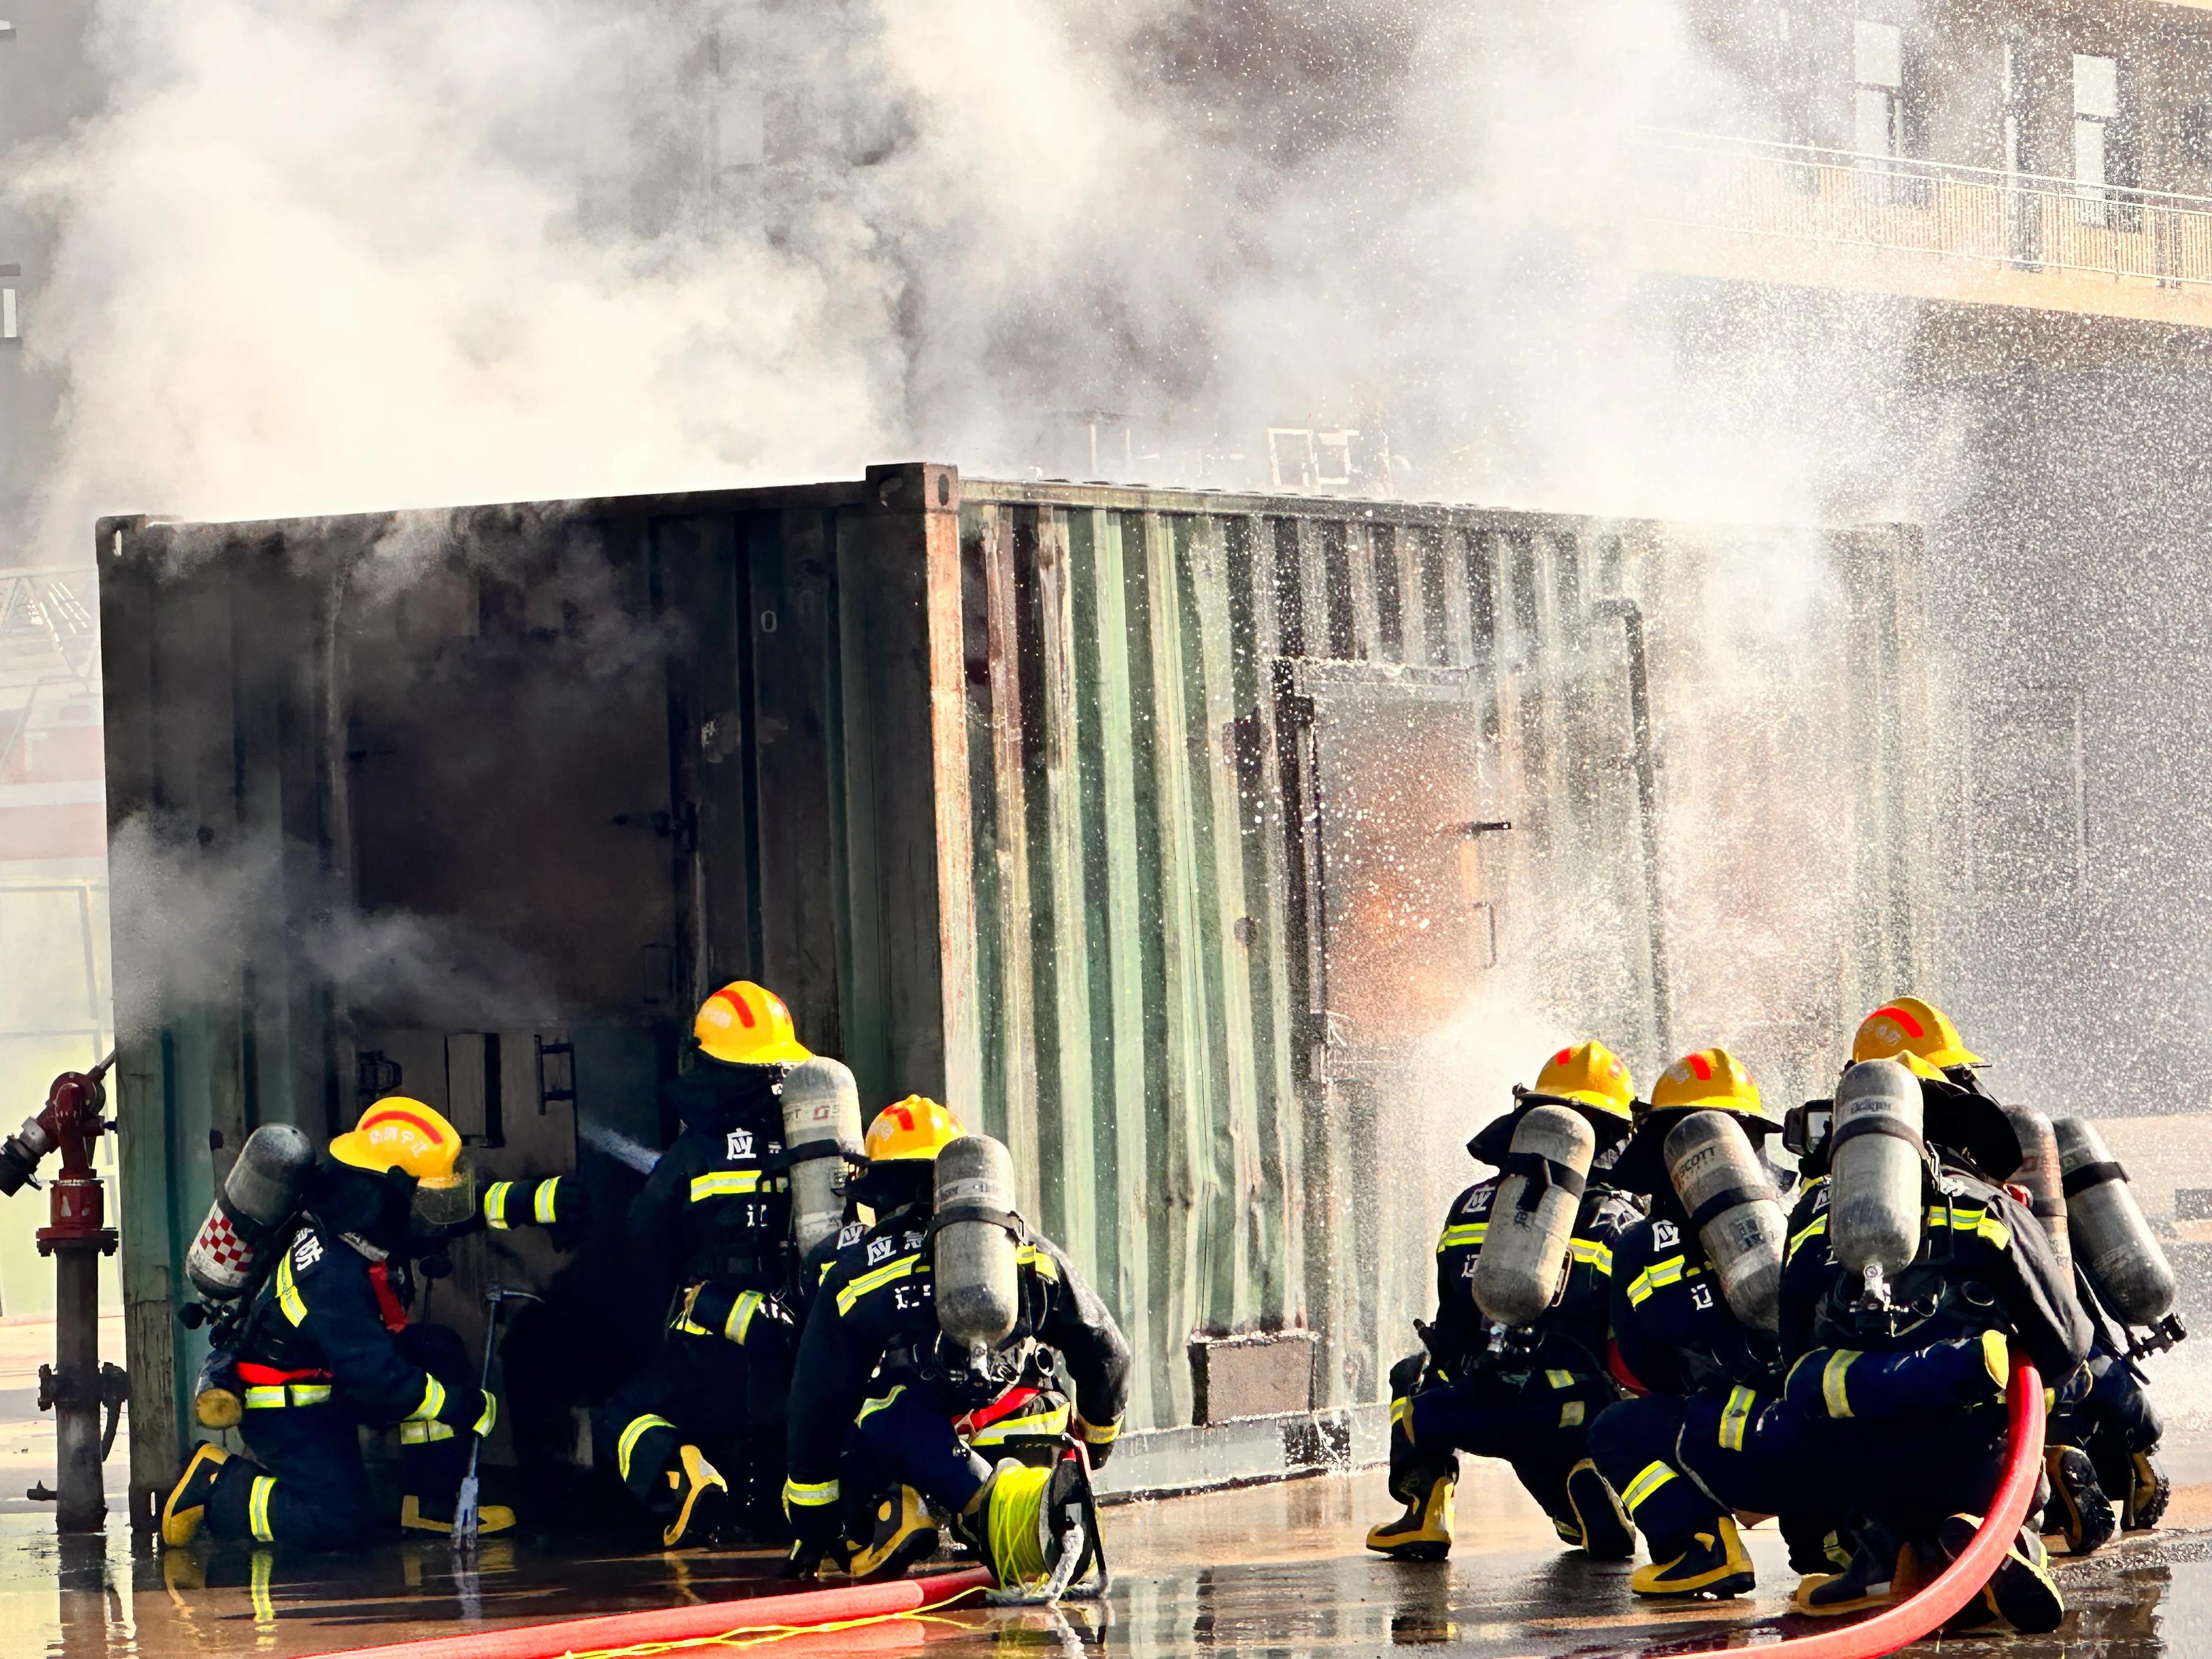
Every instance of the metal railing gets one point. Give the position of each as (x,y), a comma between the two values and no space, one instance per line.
(1797,193)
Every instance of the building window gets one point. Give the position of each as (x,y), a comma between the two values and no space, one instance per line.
(1878,67)
(2096,124)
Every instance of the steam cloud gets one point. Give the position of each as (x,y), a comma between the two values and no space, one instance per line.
(318,257)
(192,916)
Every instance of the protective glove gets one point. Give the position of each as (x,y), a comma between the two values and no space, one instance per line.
(818,1531)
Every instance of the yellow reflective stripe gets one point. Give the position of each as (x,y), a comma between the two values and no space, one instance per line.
(810,1493)
(875,1279)
(1813,1229)
(434,1398)
(494,1204)
(724,1182)
(1735,1417)
(1468,1232)
(1832,1394)
(1048,1422)
(541,1206)
(1655,1475)
(424,1434)
(741,1316)
(288,1292)
(1658,1276)
(488,1420)
(262,1395)
(1559,1379)
(1571,1413)
(1030,1256)
(875,1406)
(1591,1254)
(1402,1411)
(256,1508)
(1103,1434)
(637,1429)
(1979,1222)
(823,1278)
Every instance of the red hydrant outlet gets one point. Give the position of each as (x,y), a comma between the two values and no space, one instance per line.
(77,1235)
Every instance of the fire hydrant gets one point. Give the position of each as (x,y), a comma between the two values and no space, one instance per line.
(76,1386)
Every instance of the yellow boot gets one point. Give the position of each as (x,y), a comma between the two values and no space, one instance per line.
(1424,1532)
(188,1499)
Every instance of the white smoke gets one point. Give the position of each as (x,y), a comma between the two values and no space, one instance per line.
(194,912)
(317,256)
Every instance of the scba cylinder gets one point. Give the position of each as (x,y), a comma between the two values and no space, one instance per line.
(1735,1210)
(1525,1251)
(256,1196)
(1875,1162)
(821,1130)
(2113,1242)
(2040,1172)
(975,1265)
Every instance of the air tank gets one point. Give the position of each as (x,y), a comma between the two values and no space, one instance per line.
(2113,1242)
(1731,1202)
(978,1286)
(821,1130)
(259,1193)
(1875,1164)
(1524,1256)
(2039,1173)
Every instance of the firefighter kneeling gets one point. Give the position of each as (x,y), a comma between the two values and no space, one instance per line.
(325,1347)
(932,1350)
(1516,1361)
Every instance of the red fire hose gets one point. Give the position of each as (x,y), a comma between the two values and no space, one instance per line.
(1960,1583)
(1869,1638)
(760,1615)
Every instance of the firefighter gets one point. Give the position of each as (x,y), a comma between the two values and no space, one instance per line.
(1901,1392)
(326,1348)
(1709,1434)
(882,1404)
(711,1232)
(1527,1397)
(2102,1428)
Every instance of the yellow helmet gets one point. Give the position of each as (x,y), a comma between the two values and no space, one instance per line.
(1710,1080)
(1588,1074)
(1916,1032)
(744,1024)
(916,1128)
(404,1134)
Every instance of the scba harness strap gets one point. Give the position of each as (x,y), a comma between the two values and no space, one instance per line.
(2091,1175)
(1539,1174)
(988,1215)
(1722,1202)
(1878,1126)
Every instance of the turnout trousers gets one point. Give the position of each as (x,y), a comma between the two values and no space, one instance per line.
(301,1480)
(1538,1423)
(726,1398)
(1681,1462)
(917,1434)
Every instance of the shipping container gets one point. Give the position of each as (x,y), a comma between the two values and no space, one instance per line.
(1226,855)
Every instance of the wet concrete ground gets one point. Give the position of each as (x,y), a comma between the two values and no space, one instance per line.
(1274,1570)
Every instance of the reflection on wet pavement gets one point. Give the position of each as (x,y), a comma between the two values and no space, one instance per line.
(1276,1569)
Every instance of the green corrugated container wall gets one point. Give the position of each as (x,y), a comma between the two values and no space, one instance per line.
(1017,792)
